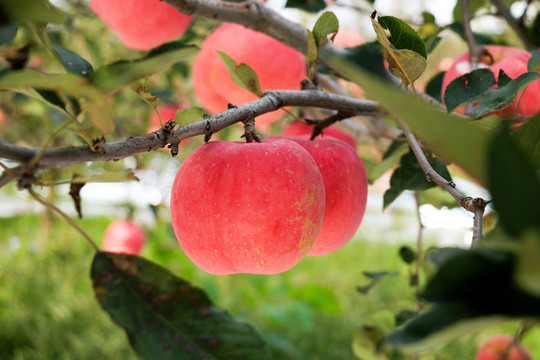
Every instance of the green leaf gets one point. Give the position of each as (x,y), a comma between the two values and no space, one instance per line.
(501,97)
(464,89)
(410,176)
(242,74)
(143,88)
(407,254)
(533,65)
(375,277)
(404,63)
(113,77)
(190,115)
(528,263)
(388,161)
(109,176)
(31,10)
(307,5)
(527,137)
(514,185)
(73,62)
(402,35)
(93,101)
(436,129)
(370,58)
(164,316)
(8,32)
(327,25)
(312,51)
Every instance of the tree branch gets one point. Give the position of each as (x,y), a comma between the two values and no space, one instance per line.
(514,24)
(272,100)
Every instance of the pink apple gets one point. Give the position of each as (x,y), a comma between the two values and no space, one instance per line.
(142,24)
(247,207)
(346,187)
(299,128)
(277,65)
(123,236)
(513,61)
(499,345)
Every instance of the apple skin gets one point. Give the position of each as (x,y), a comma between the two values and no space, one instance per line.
(277,65)
(142,24)
(513,61)
(122,236)
(299,128)
(247,207)
(494,347)
(346,188)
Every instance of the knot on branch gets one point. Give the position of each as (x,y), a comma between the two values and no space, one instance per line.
(306,84)
(471,204)
(249,130)
(329,121)
(208,128)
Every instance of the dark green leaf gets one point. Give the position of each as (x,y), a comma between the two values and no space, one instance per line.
(402,35)
(8,32)
(327,25)
(503,79)
(513,184)
(369,57)
(307,5)
(465,88)
(75,193)
(113,77)
(410,176)
(52,97)
(501,97)
(164,316)
(73,62)
(533,65)
(407,254)
(31,10)
(527,137)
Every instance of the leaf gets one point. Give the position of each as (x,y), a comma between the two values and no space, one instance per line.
(402,35)
(501,97)
(389,160)
(93,101)
(8,32)
(514,185)
(75,193)
(327,25)
(528,263)
(31,10)
(464,89)
(404,63)
(306,5)
(143,88)
(533,65)
(410,176)
(113,77)
(375,277)
(312,52)
(73,62)
(242,74)
(407,254)
(109,176)
(190,115)
(164,316)
(447,135)
(370,58)
(527,137)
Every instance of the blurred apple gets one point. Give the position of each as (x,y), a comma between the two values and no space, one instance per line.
(502,347)
(123,236)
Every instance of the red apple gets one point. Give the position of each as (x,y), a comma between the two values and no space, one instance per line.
(166,112)
(299,128)
(142,24)
(247,207)
(513,61)
(345,184)
(499,345)
(123,236)
(277,65)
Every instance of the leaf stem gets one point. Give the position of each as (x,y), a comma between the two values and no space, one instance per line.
(51,206)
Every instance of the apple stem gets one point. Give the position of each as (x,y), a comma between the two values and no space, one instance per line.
(249,130)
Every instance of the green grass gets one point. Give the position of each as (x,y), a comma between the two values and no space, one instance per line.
(48,309)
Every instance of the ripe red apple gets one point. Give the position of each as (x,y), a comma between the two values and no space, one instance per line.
(345,184)
(495,347)
(513,61)
(142,24)
(247,207)
(123,236)
(277,65)
(299,128)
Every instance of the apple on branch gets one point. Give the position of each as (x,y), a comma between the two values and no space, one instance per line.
(502,347)
(122,236)
(277,65)
(142,24)
(513,61)
(247,207)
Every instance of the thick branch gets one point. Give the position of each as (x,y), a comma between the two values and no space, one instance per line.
(272,100)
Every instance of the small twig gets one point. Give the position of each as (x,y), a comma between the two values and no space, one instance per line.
(64,216)
(250,133)
(320,125)
(479,208)
(520,30)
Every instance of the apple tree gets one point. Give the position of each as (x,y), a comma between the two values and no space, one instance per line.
(255,194)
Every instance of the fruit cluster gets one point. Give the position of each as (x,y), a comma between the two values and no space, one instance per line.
(261,207)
